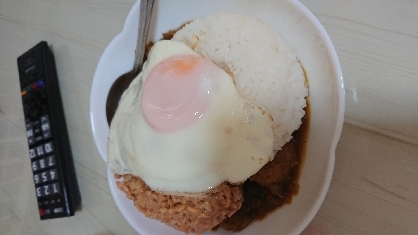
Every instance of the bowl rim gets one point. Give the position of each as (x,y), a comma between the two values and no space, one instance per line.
(339,88)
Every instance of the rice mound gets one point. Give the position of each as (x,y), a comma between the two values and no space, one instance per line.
(265,70)
(186,214)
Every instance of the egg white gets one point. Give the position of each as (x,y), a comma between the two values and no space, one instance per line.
(230,142)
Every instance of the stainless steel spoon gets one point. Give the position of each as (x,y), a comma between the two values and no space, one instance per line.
(123,81)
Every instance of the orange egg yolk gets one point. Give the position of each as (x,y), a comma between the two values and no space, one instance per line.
(177,92)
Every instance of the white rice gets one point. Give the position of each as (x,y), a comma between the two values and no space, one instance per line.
(266,71)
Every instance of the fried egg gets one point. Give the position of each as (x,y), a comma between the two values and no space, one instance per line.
(182,127)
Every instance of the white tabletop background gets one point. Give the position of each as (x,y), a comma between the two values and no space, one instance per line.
(374,189)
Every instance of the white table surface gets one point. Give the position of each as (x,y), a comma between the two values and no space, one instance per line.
(374,189)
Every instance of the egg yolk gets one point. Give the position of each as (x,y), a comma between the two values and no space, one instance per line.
(177,92)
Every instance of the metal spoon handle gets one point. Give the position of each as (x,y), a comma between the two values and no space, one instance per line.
(145,10)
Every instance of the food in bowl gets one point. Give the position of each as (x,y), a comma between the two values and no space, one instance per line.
(208,111)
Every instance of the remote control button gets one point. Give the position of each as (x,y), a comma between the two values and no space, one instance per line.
(50,160)
(39,192)
(58,210)
(23,93)
(47,190)
(34,85)
(28,124)
(38,138)
(31,139)
(29,133)
(41,212)
(41,82)
(55,188)
(53,174)
(44,119)
(32,153)
(42,163)
(44,177)
(40,150)
(37,132)
(47,211)
(45,126)
(49,147)
(35,166)
(37,178)
(30,62)
(36,125)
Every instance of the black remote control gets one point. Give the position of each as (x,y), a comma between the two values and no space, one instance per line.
(49,148)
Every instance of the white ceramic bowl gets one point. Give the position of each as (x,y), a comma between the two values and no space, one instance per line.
(306,36)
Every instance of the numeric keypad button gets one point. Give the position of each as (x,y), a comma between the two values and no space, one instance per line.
(37,178)
(47,190)
(39,192)
(40,151)
(42,163)
(53,174)
(50,160)
(35,166)
(44,177)
(32,152)
(55,187)
(49,148)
